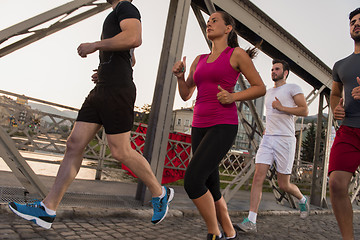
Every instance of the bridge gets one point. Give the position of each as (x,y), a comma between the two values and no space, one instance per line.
(252,24)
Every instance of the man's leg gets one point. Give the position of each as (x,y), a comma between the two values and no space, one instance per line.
(43,213)
(122,151)
(285,185)
(341,204)
(257,185)
(80,136)
(249,223)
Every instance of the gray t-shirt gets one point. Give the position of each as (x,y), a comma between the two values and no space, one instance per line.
(346,71)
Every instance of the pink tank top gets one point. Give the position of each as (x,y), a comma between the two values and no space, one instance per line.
(208,111)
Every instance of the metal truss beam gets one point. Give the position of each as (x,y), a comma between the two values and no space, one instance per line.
(18,165)
(355,187)
(313,94)
(255,26)
(316,197)
(201,22)
(256,127)
(65,10)
(330,123)
(309,99)
(157,135)
(210,6)
(239,180)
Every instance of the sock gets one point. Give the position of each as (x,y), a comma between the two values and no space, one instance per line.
(220,236)
(163,192)
(303,200)
(230,237)
(252,216)
(48,211)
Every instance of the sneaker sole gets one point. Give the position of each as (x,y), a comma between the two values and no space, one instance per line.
(36,220)
(237,227)
(171,196)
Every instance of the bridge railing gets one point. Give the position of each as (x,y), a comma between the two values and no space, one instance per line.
(47,130)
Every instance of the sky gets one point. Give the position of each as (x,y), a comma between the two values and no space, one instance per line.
(50,69)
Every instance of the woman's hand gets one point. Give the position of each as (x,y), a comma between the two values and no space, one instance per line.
(179,68)
(224,96)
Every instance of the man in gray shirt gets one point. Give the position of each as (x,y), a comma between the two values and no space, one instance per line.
(345,152)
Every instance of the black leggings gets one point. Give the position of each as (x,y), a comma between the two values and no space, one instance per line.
(209,146)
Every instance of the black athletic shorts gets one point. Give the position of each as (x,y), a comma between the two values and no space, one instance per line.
(111,106)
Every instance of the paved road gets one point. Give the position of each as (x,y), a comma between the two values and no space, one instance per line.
(321,226)
(80,216)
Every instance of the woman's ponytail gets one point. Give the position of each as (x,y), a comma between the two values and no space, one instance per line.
(232,40)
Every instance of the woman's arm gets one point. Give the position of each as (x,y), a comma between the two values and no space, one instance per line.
(186,88)
(246,66)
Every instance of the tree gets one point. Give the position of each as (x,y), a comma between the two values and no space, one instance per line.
(308,144)
(143,115)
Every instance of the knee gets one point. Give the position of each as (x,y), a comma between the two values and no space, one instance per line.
(123,155)
(221,205)
(285,186)
(337,186)
(258,179)
(73,145)
(192,185)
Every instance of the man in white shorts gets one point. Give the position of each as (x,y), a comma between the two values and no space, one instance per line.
(282,102)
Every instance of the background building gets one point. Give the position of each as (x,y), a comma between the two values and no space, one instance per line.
(182,120)
(242,140)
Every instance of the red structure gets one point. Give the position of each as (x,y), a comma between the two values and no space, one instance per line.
(177,157)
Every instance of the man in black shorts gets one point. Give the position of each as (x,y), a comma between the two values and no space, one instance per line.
(109,104)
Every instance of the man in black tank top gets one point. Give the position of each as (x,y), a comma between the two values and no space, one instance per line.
(109,104)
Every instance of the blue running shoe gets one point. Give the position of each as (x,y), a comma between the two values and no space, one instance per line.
(161,206)
(34,212)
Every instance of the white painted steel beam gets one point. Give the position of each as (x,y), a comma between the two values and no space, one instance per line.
(26,26)
(210,6)
(157,135)
(21,169)
(255,26)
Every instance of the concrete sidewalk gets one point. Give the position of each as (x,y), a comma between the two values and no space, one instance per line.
(85,192)
(108,210)
(87,196)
